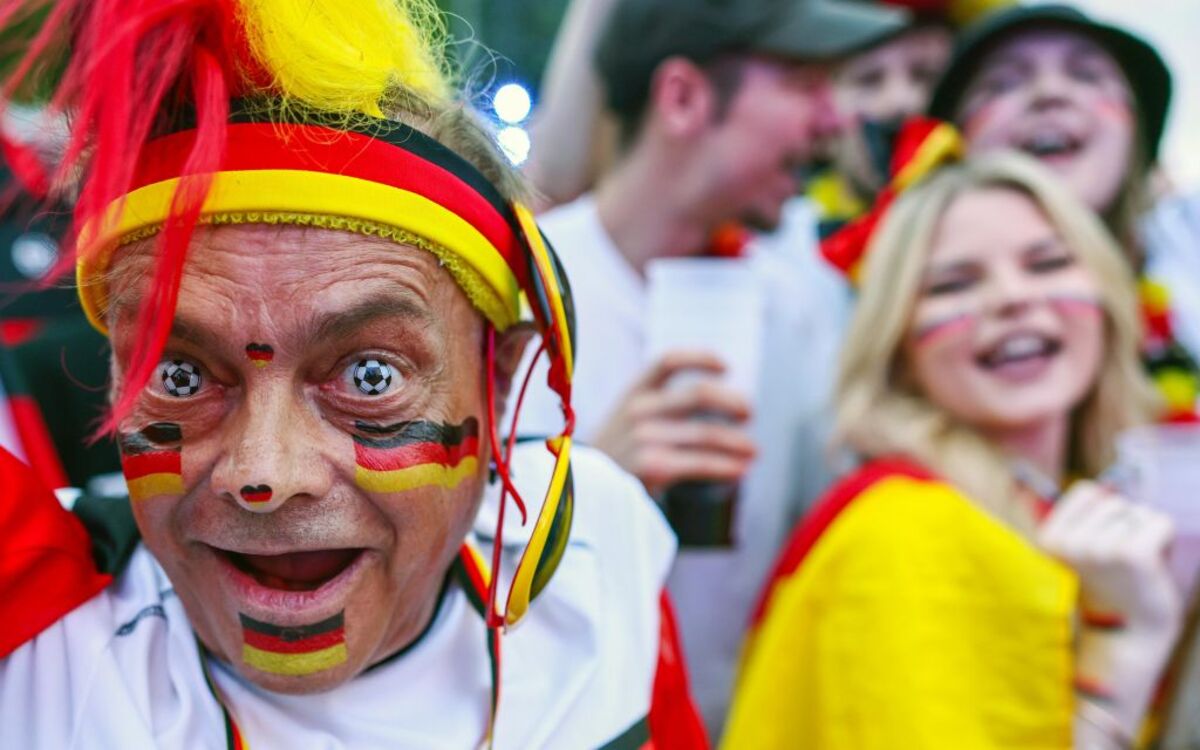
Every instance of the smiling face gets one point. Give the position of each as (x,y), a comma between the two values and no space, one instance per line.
(1061,97)
(306,462)
(1008,329)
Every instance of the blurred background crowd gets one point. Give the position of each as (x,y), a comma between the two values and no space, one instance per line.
(894,308)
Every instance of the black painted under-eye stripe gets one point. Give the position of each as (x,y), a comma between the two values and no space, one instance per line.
(416,431)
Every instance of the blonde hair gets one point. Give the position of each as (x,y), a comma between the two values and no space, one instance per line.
(880,413)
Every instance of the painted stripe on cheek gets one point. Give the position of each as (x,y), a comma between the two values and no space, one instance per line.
(416,454)
(1077,305)
(151,460)
(939,329)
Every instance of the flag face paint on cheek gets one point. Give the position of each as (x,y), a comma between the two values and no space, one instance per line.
(151,460)
(419,453)
(294,650)
(938,329)
(1076,304)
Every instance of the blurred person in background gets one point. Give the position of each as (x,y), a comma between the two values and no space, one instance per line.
(943,595)
(719,106)
(877,89)
(1090,101)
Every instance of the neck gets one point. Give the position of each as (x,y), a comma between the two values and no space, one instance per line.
(1043,445)
(647,210)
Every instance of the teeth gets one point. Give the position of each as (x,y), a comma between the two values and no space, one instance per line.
(1046,143)
(1022,346)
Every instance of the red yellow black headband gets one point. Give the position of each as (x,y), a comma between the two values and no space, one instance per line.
(379,178)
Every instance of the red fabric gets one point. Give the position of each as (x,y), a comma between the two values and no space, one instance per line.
(40,453)
(17,331)
(46,569)
(826,511)
(674,721)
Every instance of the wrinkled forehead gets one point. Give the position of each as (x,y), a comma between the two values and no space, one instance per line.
(239,273)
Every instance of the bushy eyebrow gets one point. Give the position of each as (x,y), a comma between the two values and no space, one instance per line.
(345,322)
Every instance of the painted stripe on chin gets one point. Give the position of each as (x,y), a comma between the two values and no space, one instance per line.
(294,650)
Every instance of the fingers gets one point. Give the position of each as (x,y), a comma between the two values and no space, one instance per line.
(705,397)
(662,466)
(697,435)
(675,362)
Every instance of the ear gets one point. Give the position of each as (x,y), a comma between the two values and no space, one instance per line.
(682,99)
(510,347)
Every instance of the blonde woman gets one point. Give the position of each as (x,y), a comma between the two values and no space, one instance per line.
(934,599)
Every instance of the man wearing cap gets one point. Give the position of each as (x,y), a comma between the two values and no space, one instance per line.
(318,278)
(719,106)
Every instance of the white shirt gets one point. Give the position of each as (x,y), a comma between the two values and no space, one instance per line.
(123,670)
(1171,235)
(713,590)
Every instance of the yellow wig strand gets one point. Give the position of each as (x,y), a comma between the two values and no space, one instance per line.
(349,56)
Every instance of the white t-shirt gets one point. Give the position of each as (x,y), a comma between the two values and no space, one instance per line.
(1171,235)
(713,590)
(123,670)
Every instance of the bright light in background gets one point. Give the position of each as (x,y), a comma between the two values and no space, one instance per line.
(512,103)
(1172,26)
(514,142)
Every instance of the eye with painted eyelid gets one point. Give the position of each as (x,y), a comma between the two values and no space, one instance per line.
(179,378)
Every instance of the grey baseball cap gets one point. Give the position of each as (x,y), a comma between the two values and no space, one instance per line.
(640,34)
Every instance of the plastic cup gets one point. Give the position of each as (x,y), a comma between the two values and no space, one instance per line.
(1160,467)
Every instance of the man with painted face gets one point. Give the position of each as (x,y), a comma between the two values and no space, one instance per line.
(312,263)
(720,105)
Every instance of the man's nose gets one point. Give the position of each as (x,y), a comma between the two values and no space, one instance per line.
(827,120)
(269,457)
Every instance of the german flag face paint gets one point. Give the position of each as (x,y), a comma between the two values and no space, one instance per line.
(260,354)
(408,455)
(256,493)
(295,650)
(151,461)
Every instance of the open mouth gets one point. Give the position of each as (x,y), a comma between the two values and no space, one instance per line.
(1019,351)
(1051,145)
(294,571)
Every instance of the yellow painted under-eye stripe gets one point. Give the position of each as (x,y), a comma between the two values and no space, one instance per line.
(154,484)
(276,191)
(422,475)
(522,585)
(294,664)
